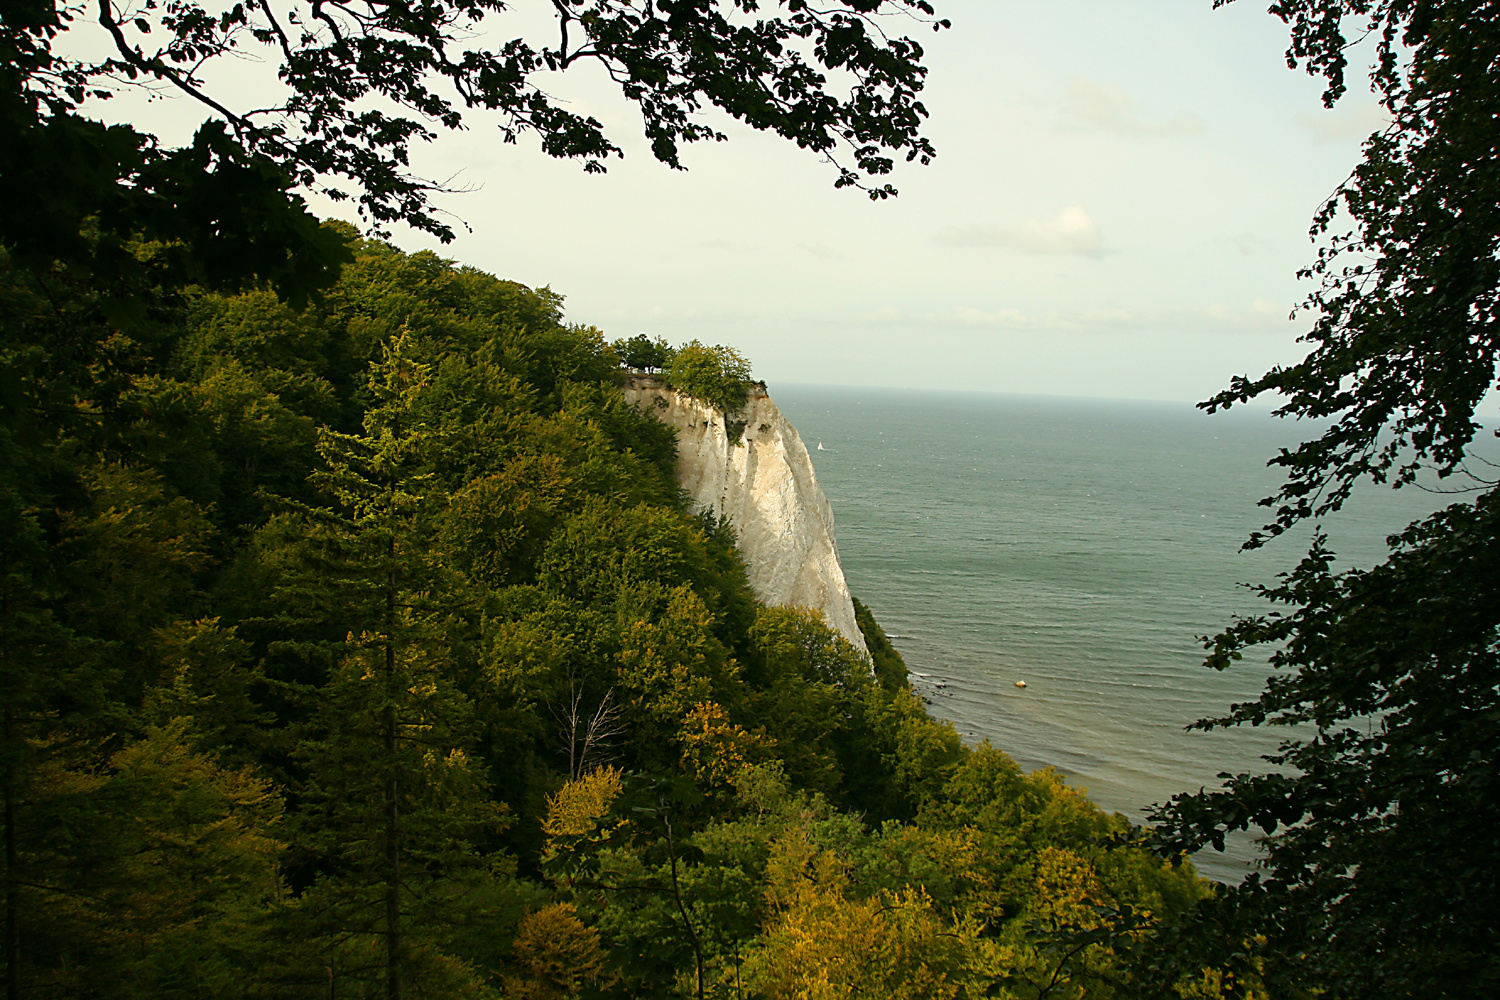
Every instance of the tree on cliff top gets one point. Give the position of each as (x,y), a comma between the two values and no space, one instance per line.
(644,353)
(718,375)
(1381,879)
(359,83)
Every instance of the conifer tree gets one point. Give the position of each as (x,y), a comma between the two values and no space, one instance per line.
(390,802)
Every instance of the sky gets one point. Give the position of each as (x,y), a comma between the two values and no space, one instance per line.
(1118,208)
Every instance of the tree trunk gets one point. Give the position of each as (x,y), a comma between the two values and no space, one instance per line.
(392,806)
(12,913)
(12,910)
(682,907)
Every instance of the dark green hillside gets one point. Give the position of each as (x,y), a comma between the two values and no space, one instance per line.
(373,643)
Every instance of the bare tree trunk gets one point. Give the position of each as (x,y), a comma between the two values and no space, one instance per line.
(586,743)
(575,695)
(603,727)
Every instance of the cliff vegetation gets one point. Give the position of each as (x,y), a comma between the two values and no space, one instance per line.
(717,375)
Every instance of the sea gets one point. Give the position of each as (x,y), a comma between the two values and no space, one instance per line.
(1082,547)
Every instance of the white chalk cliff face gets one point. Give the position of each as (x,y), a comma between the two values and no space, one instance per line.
(766,487)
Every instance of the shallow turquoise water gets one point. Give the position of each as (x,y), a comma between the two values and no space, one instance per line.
(1080,546)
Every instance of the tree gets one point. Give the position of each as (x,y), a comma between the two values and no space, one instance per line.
(99,559)
(358,84)
(718,375)
(819,943)
(394,802)
(149,875)
(1383,873)
(643,353)
(557,954)
(1405,336)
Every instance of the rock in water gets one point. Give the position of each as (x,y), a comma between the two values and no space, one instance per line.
(765,486)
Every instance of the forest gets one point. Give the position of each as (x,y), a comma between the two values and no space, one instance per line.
(355,639)
(371,647)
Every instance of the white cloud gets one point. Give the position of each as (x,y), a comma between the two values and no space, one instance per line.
(1247,244)
(1260,309)
(649,319)
(1258,315)
(1072,231)
(1107,107)
(821,251)
(728,246)
(968,316)
(1343,122)
(884,316)
(960,317)
(1107,318)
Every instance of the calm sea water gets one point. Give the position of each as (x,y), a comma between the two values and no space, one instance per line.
(1080,546)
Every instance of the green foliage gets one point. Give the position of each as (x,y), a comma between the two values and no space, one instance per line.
(392,801)
(1397,367)
(1411,643)
(890,668)
(144,877)
(604,548)
(784,895)
(353,92)
(1379,808)
(645,354)
(838,731)
(372,647)
(718,375)
(126,214)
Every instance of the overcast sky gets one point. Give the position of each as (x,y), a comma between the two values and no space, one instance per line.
(1118,208)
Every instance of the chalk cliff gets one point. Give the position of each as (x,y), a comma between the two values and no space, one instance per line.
(766,487)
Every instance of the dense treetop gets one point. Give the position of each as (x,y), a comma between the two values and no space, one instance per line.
(718,375)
